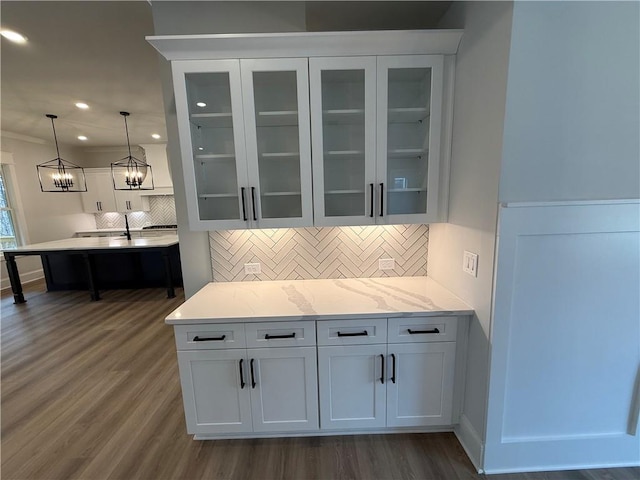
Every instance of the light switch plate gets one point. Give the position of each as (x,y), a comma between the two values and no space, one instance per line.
(470,263)
(252,268)
(386,263)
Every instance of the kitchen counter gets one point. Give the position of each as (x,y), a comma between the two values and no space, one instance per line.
(121,231)
(102,262)
(318,299)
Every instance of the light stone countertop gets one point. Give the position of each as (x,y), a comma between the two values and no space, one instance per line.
(90,243)
(123,229)
(318,299)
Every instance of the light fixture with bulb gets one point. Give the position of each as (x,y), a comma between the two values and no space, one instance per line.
(82,105)
(156,136)
(59,175)
(131,173)
(12,36)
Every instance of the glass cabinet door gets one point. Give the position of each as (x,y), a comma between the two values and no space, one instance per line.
(209,109)
(409,111)
(277,125)
(343,108)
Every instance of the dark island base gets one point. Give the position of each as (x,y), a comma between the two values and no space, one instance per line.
(143,269)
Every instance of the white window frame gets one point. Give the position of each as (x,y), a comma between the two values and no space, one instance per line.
(13,198)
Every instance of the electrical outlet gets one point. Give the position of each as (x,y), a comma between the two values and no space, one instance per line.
(470,263)
(386,263)
(252,268)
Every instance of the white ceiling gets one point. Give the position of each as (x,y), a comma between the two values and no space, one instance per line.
(94,52)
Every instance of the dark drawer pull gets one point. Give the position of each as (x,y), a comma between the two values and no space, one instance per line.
(354,334)
(242,384)
(269,337)
(418,332)
(253,378)
(209,339)
(382,369)
(393,363)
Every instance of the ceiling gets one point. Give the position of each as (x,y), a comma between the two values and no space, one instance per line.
(95,52)
(92,52)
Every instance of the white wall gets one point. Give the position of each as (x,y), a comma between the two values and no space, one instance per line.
(479,103)
(573,102)
(49,216)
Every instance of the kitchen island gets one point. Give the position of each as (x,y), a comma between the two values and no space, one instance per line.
(321,357)
(102,263)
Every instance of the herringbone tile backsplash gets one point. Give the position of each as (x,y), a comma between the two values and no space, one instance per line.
(330,252)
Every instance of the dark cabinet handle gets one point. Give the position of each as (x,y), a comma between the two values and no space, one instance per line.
(371,205)
(242,384)
(244,205)
(209,339)
(253,378)
(253,203)
(290,335)
(393,364)
(354,334)
(381,199)
(418,332)
(382,369)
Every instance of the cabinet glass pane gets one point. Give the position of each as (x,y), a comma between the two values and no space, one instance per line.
(409,105)
(209,102)
(276,107)
(343,108)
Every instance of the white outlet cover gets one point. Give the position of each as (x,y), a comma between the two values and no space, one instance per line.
(470,263)
(252,268)
(386,263)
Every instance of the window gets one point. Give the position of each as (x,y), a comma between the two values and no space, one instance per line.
(8,231)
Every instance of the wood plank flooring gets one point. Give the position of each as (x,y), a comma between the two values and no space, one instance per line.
(90,390)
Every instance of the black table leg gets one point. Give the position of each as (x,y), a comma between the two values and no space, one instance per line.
(14,278)
(91,277)
(168,274)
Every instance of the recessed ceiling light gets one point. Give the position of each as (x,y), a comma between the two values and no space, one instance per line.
(201,104)
(82,137)
(155,135)
(200,148)
(82,105)
(13,36)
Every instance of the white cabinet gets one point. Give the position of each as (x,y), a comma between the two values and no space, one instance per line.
(100,196)
(409,384)
(245,141)
(376,124)
(228,388)
(215,391)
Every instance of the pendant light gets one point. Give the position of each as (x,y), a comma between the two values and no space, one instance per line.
(131,173)
(59,175)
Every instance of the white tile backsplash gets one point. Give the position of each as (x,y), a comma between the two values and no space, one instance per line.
(162,211)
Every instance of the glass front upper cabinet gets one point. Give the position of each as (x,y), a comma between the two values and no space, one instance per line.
(210,123)
(276,103)
(408,137)
(343,109)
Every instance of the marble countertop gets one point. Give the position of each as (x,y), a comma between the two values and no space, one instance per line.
(318,299)
(91,243)
(123,229)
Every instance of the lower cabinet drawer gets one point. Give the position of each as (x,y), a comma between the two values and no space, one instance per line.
(422,329)
(352,332)
(210,336)
(280,334)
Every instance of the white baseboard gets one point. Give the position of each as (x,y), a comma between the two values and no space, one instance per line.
(26,277)
(471,442)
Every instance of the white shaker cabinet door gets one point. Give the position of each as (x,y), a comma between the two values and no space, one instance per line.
(420,389)
(99,197)
(275,96)
(215,391)
(352,383)
(284,389)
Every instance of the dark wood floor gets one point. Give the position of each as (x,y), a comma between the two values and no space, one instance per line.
(90,390)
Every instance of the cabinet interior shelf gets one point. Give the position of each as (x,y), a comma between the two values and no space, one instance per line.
(215,120)
(279,194)
(343,192)
(218,195)
(408,114)
(280,155)
(343,116)
(406,190)
(215,156)
(407,152)
(277,118)
(344,154)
